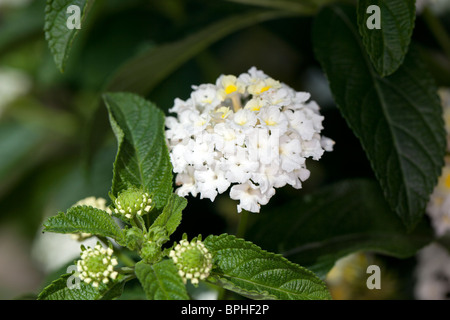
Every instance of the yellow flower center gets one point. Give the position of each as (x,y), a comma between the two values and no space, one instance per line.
(225,112)
(270,122)
(230,89)
(447,181)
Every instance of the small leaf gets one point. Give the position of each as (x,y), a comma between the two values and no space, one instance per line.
(143,158)
(322,227)
(66,288)
(170,218)
(398,119)
(388,45)
(161,281)
(59,37)
(85,219)
(245,268)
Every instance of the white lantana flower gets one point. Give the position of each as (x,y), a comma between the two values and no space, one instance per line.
(248,133)
(432,273)
(438,207)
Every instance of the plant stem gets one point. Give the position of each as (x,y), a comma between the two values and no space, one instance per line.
(240,233)
(235,99)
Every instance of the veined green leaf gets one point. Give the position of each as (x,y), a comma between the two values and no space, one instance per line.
(142,73)
(59,37)
(388,45)
(398,119)
(349,216)
(69,287)
(143,157)
(170,218)
(245,268)
(85,219)
(161,281)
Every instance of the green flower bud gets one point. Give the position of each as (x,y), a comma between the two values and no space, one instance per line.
(193,260)
(158,235)
(132,202)
(97,265)
(150,252)
(134,237)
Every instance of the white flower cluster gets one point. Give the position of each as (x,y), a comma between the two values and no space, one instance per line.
(433,273)
(438,208)
(193,260)
(99,203)
(249,132)
(97,265)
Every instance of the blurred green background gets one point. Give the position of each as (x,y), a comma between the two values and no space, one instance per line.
(56,146)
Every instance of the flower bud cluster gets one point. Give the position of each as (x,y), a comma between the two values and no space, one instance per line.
(132,202)
(193,260)
(97,265)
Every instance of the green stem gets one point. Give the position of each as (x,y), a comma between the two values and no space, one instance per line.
(438,30)
(242,226)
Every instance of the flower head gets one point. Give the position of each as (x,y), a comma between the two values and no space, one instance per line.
(193,260)
(250,133)
(438,207)
(132,202)
(432,273)
(97,265)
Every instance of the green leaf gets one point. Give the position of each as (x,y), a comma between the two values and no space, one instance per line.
(388,45)
(69,287)
(59,37)
(349,216)
(170,218)
(85,219)
(161,281)
(143,72)
(245,268)
(143,158)
(398,119)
